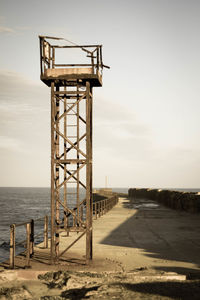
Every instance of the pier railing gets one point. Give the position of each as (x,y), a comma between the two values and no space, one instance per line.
(29,241)
(103,206)
(100,208)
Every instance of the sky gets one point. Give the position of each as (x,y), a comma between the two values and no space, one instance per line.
(146,114)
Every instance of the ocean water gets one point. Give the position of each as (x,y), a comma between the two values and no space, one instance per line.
(18,205)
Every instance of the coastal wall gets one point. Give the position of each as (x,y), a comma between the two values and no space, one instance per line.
(177,200)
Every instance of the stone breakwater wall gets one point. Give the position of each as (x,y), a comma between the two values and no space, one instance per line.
(177,200)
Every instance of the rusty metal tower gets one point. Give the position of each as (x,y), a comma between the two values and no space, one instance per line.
(71,139)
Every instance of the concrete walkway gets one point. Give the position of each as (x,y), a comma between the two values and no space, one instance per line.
(134,236)
(143,235)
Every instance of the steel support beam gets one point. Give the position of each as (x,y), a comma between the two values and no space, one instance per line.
(71,163)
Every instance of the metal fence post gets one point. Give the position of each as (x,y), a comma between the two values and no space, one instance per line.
(93,210)
(95,207)
(32,238)
(98,209)
(28,231)
(46,220)
(12,246)
(81,213)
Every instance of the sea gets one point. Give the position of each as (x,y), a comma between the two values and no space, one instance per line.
(19,205)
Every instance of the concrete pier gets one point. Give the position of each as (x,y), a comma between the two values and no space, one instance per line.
(142,250)
(138,235)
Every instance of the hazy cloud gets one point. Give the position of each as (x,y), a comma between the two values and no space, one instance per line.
(12,144)
(15,88)
(24,104)
(4,29)
(118,131)
(23,28)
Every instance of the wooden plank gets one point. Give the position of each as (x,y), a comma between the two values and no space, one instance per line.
(68,92)
(70,161)
(62,72)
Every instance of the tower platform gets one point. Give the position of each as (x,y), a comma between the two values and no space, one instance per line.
(70,74)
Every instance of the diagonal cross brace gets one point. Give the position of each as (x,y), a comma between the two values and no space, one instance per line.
(68,172)
(76,240)
(66,139)
(68,178)
(73,214)
(81,138)
(75,208)
(66,112)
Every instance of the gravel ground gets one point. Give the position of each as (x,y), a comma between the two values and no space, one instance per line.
(86,285)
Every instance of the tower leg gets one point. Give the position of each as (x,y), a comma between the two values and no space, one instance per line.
(52,175)
(57,176)
(89,205)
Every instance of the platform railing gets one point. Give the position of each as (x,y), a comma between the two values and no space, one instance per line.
(29,241)
(48,55)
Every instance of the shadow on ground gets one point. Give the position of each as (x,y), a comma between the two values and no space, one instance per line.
(176,290)
(146,290)
(161,233)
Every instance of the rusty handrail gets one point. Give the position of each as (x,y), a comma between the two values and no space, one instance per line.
(47,55)
(101,207)
(29,241)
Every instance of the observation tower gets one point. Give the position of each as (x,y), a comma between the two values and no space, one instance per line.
(71,137)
